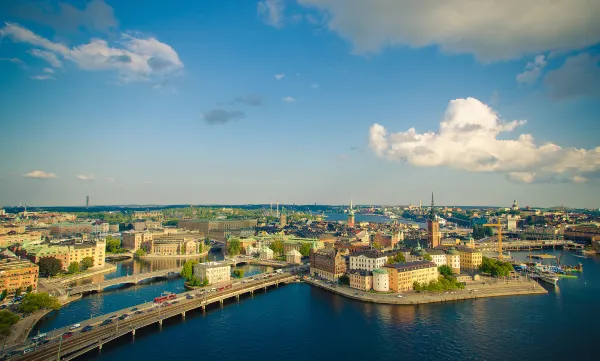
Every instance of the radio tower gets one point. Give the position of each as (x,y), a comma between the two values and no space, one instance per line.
(87,202)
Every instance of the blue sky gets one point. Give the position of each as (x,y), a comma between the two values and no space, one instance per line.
(299,101)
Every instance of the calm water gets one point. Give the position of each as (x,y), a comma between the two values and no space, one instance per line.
(297,322)
(334,217)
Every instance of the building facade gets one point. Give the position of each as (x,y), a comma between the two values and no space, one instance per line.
(361,280)
(402,276)
(213,272)
(17,274)
(175,244)
(367,261)
(70,228)
(265,253)
(293,257)
(327,263)
(381,280)
(470,259)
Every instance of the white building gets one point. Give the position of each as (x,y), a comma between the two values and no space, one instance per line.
(265,253)
(367,261)
(100,227)
(453,260)
(438,257)
(381,280)
(214,272)
(294,257)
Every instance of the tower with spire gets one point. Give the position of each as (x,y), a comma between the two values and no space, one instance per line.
(434,237)
(351,215)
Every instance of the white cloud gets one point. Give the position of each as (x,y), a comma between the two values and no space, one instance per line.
(468,140)
(86,177)
(279,76)
(43,77)
(49,70)
(579,76)
(488,29)
(17,61)
(533,70)
(271,12)
(288,99)
(47,56)
(136,59)
(40,174)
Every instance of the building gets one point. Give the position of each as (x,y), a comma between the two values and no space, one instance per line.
(282,220)
(213,272)
(511,222)
(207,227)
(453,260)
(293,257)
(470,259)
(434,236)
(583,234)
(67,252)
(139,225)
(148,214)
(327,263)
(361,279)
(351,216)
(80,250)
(438,257)
(66,228)
(265,253)
(402,276)
(175,244)
(381,280)
(113,228)
(16,273)
(133,241)
(387,240)
(100,227)
(368,261)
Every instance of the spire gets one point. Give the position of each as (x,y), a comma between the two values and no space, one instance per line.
(432,209)
(350,203)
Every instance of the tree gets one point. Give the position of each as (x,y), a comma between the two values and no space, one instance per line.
(4,294)
(277,247)
(495,267)
(238,273)
(37,301)
(7,319)
(234,247)
(187,271)
(73,267)
(18,292)
(140,253)
(29,289)
(50,266)
(427,257)
(344,279)
(377,245)
(398,258)
(445,270)
(305,249)
(87,262)
(113,245)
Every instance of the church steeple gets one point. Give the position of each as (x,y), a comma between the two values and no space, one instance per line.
(432,209)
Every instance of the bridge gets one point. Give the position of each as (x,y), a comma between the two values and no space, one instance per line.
(127,280)
(527,245)
(262,262)
(148,314)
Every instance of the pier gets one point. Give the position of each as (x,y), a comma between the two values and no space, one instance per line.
(151,314)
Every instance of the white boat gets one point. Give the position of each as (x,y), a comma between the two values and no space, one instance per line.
(548,278)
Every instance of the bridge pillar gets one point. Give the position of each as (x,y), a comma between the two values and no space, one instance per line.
(221,301)
(203,308)
(160,322)
(183,315)
(99,346)
(265,288)
(237,297)
(133,332)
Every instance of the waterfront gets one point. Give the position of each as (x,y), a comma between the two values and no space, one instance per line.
(334,217)
(298,321)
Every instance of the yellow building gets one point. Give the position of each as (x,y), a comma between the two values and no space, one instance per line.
(470,259)
(16,274)
(361,280)
(404,275)
(79,251)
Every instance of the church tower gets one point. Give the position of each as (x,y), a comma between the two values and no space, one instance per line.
(351,215)
(433,227)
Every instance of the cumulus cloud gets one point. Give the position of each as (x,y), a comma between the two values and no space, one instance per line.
(95,16)
(579,76)
(43,77)
(271,12)
(533,70)
(468,140)
(251,100)
(134,58)
(40,174)
(16,61)
(86,177)
(489,29)
(288,99)
(47,56)
(279,76)
(221,116)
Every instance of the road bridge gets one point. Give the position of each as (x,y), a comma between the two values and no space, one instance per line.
(527,245)
(149,314)
(126,280)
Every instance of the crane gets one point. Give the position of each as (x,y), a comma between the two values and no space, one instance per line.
(499,226)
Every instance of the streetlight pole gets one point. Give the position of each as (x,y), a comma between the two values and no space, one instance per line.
(59,345)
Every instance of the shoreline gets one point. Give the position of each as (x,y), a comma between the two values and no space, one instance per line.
(196,255)
(471,291)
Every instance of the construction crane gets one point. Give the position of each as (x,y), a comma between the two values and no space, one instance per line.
(499,226)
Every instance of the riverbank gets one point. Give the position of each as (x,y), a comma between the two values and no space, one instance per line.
(82,275)
(154,256)
(485,288)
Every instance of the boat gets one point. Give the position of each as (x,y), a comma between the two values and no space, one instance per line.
(548,277)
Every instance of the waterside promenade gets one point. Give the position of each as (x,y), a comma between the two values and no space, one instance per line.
(487,287)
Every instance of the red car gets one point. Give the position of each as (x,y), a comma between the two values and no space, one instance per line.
(67,335)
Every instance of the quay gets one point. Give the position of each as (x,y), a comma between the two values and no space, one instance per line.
(151,314)
(488,287)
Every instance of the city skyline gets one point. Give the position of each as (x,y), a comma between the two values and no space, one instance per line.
(302,101)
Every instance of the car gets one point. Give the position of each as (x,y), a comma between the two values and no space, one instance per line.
(75,326)
(189,297)
(67,335)
(106,322)
(27,350)
(113,316)
(42,342)
(399,296)
(174,302)
(134,309)
(13,353)
(2,307)
(138,312)
(87,328)
(123,317)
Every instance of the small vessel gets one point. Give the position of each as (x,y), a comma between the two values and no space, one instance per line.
(548,277)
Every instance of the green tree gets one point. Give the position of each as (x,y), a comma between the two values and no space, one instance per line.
(398,258)
(344,279)
(7,319)
(187,271)
(140,253)
(445,270)
(18,292)
(376,245)
(37,301)
(87,262)
(50,266)
(234,247)
(277,247)
(305,249)
(73,267)
(29,288)
(238,273)
(4,294)
(495,267)
(427,257)
(113,245)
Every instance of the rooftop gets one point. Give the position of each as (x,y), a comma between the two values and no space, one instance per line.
(409,266)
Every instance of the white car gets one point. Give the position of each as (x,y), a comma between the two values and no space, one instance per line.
(75,326)
(399,296)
